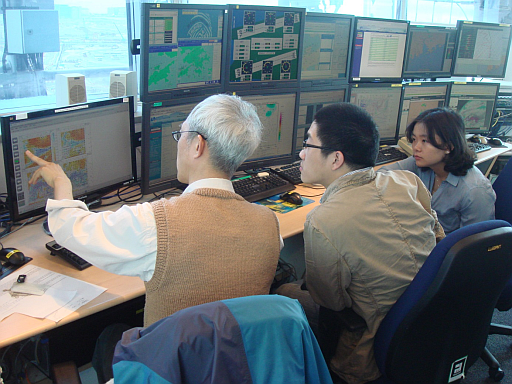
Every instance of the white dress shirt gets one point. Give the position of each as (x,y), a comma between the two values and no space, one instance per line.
(123,242)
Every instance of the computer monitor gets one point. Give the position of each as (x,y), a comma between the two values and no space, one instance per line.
(278,114)
(378,50)
(264,47)
(429,52)
(482,49)
(159,149)
(326,52)
(93,143)
(310,102)
(382,102)
(418,97)
(181,50)
(475,103)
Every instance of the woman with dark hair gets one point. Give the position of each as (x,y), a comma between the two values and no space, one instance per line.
(461,194)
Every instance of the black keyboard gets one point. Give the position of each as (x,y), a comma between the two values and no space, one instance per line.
(290,172)
(478,147)
(389,154)
(64,253)
(254,187)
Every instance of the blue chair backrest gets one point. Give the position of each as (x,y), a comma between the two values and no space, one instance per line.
(503,211)
(503,188)
(256,339)
(442,275)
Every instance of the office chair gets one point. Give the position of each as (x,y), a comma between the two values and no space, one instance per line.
(439,326)
(255,339)
(503,188)
(503,211)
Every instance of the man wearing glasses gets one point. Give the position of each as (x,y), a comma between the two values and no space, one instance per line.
(206,245)
(368,238)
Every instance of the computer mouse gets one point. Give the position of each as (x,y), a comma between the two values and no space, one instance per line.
(12,255)
(292,198)
(495,141)
(478,139)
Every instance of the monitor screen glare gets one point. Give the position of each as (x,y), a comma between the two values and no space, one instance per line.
(418,98)
(482,49)
(475,103)
(326,47)
(378,49)
(310,103)
(429,52)
(92,143)
(383,104)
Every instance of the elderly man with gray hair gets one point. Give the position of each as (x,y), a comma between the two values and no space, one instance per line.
(206,245)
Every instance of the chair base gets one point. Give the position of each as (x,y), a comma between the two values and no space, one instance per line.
(500,329)
(495,371)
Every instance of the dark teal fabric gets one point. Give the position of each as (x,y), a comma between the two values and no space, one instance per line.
(257,339)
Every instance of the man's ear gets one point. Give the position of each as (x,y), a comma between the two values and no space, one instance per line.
(200,146)
(338,160)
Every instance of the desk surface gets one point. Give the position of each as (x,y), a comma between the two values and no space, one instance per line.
(31,240)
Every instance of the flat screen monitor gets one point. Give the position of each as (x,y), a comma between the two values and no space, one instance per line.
(382,102)
(429,52)
(418,97)
(93,143)
(312,101)
(378,50)
(264,47)
(159,149)
(326,52)
(482,49)
(181,50)
(475,102)
(278,113)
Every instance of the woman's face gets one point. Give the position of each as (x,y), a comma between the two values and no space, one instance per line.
(425,154)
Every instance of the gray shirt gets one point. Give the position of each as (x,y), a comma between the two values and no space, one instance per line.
(460,200)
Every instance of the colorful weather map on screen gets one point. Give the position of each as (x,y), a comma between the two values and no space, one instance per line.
(185,48)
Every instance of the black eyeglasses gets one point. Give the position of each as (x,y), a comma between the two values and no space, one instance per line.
(177,134)
(306,145)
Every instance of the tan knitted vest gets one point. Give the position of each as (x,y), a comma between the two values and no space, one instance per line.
(212,245)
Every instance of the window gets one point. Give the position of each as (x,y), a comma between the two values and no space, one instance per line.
(94,38)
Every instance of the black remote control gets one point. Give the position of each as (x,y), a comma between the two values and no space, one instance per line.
(64,253)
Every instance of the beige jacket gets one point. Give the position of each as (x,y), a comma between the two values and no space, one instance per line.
(364,244)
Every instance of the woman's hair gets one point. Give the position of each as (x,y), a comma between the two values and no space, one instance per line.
(448,126)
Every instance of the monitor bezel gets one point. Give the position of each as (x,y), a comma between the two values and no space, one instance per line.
(479,84)
(360,79)
(15,215)
(387,140)
(319,84)
(263,163)
(405,86)
(424,74)
(342,87)
(145,132)
(460,27)
(260,85)
(197,91)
